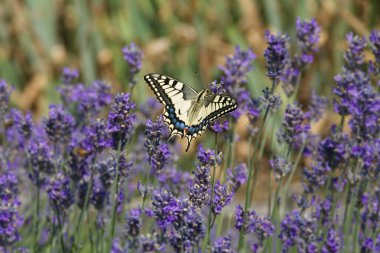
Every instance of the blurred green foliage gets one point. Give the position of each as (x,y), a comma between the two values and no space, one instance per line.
(179,38)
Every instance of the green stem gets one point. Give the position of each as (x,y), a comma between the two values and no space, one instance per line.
(290,178)
(250,170)
(60,231)
(269,190)
(146,186)
(115,195)
(36,217)
(207,241)
(82,212)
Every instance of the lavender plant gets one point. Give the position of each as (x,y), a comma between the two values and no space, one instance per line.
(97,174)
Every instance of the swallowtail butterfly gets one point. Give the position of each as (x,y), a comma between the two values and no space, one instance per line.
(188,112)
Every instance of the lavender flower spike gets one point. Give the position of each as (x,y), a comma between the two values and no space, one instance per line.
(133,56)
(354,55)
(59,125)
(374,67)
(236,70)
(307,39)
(120,120)
(222,197)
(5,93)
(276,55)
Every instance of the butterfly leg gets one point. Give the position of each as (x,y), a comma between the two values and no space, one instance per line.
(189,138)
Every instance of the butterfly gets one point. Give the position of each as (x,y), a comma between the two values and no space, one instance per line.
(188,112)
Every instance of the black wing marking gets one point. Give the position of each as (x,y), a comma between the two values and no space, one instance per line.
(169,90)
(218,105)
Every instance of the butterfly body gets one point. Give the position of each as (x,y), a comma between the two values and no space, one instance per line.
(188,112)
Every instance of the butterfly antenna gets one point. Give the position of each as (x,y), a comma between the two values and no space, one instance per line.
(199,78)
(188,145)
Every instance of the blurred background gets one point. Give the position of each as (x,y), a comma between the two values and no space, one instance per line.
(179,38)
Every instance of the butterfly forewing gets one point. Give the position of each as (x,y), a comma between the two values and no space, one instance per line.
(169,90)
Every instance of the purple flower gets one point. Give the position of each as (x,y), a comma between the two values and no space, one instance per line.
(276,55)
(333,150)
(106,169)
(5,93)
(323,211)
(77,159)
(218,127)
(133,56)
(280,166)
(97,138)
(374,67)
(158,152)
(370,215)
(377,244)
(333,242)
(120,120)
(116,247)
(236,70)
(60,195)
(239,217)
(262,227)
(365,114)
(237,178)
(297,230)
(294,130)
(367,245)
(317,107)
(199,188)
(271,102)
(99,195)
(165,206)
(40,157)
(222,197)
(69,75)
(18,128)
(371,157)
(8,183)
(354,55)
(10,219)
(314,178)
(347,89)
(124,166)
(59,125)
(90,100)
(222,245)
(23,124)
(235,77)
(151,243)
(307,38)
(133,222)
(208,157)
(188,227)
(253,110)
(217,87)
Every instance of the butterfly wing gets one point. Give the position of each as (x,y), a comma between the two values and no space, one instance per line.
(176,96)
(214,106)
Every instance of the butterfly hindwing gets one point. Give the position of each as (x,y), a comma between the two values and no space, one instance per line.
(218,105)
